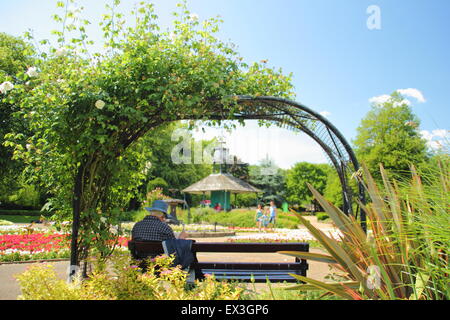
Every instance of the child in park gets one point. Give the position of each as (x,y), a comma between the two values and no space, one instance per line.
(259,217)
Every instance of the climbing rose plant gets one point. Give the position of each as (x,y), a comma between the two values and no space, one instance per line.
(88,110)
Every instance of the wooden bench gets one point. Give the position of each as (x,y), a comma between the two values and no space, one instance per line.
(241,271)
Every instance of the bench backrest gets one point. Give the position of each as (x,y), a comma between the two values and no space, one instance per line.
(140,250)
(155,247)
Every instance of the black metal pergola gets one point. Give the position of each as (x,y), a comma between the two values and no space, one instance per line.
(295,116)
(282,112)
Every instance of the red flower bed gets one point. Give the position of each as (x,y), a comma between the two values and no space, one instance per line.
(34,242)
(40,242)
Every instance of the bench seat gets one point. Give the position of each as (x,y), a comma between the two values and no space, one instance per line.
(240,271)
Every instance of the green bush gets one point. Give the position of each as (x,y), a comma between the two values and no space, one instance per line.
(26,196)
(5,223)
(322,216)
(239,218)
(34,213)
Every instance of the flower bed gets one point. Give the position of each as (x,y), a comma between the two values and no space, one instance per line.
(36,246)
(284,235)
(15,246)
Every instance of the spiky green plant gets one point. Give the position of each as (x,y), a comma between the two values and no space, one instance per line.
(403,255)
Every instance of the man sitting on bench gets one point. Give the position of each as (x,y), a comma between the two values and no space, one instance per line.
(153,227)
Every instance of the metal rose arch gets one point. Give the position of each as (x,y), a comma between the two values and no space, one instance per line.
(279,111)
(292,115)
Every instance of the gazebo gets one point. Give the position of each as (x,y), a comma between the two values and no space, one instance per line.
(221,186)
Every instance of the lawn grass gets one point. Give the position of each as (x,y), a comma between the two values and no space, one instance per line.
(18,219)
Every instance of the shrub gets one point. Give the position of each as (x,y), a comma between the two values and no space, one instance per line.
(122,280)
(405,253)
(5,223)
(240,218)
(322,216)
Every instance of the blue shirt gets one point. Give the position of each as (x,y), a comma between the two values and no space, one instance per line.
(273,211)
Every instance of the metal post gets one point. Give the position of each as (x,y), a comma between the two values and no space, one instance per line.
(76,206)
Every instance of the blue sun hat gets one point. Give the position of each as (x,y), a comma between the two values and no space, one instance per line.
(158,205)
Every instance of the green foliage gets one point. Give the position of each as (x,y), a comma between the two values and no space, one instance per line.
(26,196)
(404,255)
(333,189)
(5,222)
(240,218)
(161,166)
(300,175)
(157,183)
(88,111)
(389,135)
(30,213)
(246,200)
(322,216)
(15,56)
(270,179)
(18,256)
(19,218)
(124,281)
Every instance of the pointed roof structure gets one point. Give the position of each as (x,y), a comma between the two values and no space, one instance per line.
(221,182)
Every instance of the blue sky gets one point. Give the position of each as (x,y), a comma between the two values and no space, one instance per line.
(337,62)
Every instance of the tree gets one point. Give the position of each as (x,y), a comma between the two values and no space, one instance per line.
(389,135)
(239,169)
(89,111)
(333,189)
(270,180)
(15,55)
(302,173)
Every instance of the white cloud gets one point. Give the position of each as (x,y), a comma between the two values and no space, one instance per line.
(413,93)
(427,135)
(442,133)
(436,139)
(380,99)
(404,101)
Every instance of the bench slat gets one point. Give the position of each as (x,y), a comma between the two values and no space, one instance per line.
(156,247)
(241,271)
(251,266)
(256,275)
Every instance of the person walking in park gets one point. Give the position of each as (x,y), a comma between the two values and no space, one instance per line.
(153,227)
(273,213)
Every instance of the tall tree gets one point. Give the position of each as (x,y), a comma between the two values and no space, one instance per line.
(389,135)
(302,173)
(270,180)
(15,55)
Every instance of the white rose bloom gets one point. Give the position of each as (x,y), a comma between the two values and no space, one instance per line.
(99,104)
(193,16)
(61,52)
(32,72)
(6,86)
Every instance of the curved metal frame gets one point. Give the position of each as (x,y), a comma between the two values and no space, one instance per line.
(295,116)
(282,112)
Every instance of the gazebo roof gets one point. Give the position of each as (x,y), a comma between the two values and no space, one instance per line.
(221,182)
